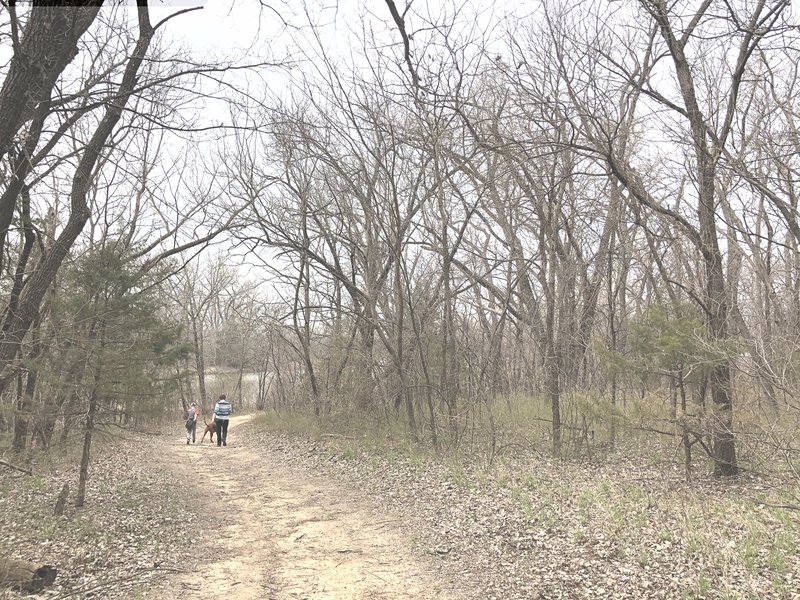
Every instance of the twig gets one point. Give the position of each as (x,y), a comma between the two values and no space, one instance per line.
(99,585)
(378,576)
(16,468)
(338,436)
(786,506)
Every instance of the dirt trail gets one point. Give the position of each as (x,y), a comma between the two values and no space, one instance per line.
(286,534)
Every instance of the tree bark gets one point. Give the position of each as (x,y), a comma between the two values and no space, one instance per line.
(48,44)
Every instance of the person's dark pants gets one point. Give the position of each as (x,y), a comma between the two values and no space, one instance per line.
(190,432)
(222,431)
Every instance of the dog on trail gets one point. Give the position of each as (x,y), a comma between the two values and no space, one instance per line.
(211,428)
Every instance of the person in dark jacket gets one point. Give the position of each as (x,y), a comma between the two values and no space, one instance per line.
(222,414)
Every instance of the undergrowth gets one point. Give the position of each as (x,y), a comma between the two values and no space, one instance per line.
(633,492)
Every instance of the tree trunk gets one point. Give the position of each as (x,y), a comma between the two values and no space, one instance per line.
(199,359)
(80,496)
(21,416)
(706,157)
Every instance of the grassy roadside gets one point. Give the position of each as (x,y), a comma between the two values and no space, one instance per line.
(623,511)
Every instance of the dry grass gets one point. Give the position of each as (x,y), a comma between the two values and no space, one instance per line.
(719,538)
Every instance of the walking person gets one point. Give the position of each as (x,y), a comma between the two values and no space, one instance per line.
(222,414)
(191,422)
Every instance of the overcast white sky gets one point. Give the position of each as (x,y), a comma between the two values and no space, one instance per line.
(223,25)
(230,27)
(233,27)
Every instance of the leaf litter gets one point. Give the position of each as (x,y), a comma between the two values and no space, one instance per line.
(525,528)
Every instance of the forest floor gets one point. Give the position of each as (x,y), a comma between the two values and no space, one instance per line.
(278,516)
(168,520)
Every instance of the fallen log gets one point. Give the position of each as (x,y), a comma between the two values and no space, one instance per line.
(25,576)
(16,468)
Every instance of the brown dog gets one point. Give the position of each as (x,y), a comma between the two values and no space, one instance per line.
(210,428)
